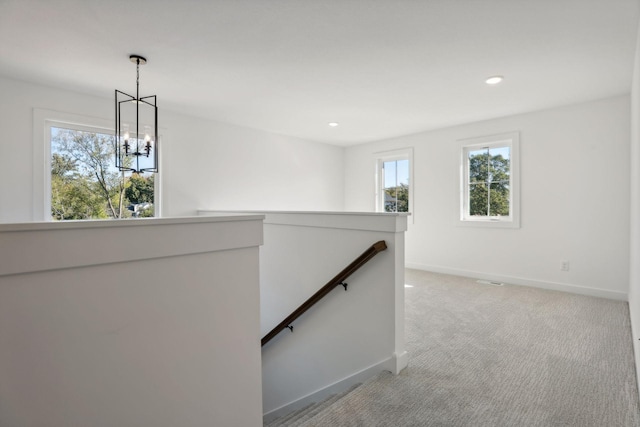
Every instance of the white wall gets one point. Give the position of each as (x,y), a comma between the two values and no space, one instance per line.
(574,200)
(634,272)
(346,337)
(122,335)
(239,168)
(205,164)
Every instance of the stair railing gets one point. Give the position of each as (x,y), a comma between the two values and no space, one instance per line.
(339,280)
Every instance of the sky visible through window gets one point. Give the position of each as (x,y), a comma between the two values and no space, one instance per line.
(56,149)
(503,151)
(396,172)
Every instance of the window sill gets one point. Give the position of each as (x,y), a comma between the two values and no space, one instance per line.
(489,223)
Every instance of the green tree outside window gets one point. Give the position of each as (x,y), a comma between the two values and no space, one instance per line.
(489,178)
(85,183)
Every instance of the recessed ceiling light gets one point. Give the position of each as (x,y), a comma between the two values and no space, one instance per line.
(333,124)
(494,80)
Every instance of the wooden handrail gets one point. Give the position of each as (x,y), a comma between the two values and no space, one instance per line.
(336,281)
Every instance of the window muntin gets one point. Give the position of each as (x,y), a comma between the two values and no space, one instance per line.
(489,181)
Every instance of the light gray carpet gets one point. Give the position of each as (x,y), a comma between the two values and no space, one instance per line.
(482,355)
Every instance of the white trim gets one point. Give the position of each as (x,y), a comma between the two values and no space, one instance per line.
(43,239)
(521,281)
(512,140)
(398,362)
(391,222)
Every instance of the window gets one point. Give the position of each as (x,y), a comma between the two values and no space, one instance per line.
(80,180)
(394,192)
(85,184)
(489,181)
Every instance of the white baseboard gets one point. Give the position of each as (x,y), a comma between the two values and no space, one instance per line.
(563,287)
(340,386)
(398,362)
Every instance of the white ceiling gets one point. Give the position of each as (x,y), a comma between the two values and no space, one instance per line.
(381,68)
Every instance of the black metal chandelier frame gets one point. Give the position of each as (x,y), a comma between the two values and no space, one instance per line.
(141,147)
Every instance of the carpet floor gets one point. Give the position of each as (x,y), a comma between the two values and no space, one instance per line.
(484,355)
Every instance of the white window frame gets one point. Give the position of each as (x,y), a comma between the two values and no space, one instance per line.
(43,121)
(511,140)
(386,156)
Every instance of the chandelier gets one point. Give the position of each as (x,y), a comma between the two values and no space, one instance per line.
(136,136)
